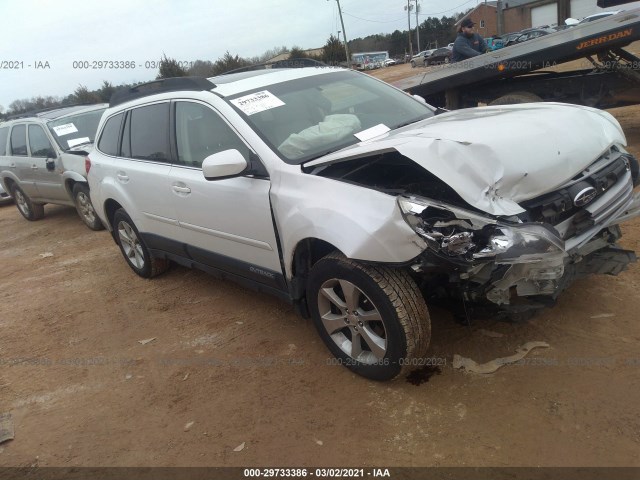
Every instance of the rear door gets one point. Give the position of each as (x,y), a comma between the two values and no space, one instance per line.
(226,223)
(19,161)
(141,173)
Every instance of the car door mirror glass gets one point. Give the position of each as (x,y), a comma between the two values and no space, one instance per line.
(229,163)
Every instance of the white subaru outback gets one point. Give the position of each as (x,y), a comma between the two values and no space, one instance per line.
(360,204)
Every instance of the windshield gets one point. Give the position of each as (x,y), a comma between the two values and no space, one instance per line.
(309,117)
(74,130)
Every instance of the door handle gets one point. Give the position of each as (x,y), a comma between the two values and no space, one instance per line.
(34,167)
(181,189)
(122,177)
(13,165)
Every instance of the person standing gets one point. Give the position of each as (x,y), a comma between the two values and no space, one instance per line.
(468,43)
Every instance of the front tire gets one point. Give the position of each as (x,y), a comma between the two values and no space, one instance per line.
(413,64)
(85,209)
(133,249)
(28,208)
(373,319)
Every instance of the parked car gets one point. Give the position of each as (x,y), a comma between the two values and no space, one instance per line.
(494,43)
(441,55)
(4,196)
(389,61)
(530,35)
(358,204)
(42,160)
(418,59)
(572,22)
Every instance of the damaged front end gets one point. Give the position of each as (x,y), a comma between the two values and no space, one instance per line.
(522,263)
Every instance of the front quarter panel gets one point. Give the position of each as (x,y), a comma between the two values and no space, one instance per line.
(362,223)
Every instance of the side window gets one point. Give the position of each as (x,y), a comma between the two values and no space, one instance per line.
(38,142)
(150,132)
(108,142)
(19,140)
(201,132)
(4,135)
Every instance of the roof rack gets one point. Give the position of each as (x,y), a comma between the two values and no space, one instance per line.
(35,113)
(289,63)
(196,84)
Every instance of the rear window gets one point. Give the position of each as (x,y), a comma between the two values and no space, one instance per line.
(4,134)
(150,132)
(75,130)
(110,134)
(19,140)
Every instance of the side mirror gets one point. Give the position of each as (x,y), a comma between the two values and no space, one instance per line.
(226,164)
(51,161)
(419,98)
(571,22)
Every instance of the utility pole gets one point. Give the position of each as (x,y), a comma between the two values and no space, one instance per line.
(408,9)
(500,17)
(344,32)
(417,26)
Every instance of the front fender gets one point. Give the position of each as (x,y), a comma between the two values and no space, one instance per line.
(362,223)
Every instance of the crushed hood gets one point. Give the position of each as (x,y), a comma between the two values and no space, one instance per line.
(496,157)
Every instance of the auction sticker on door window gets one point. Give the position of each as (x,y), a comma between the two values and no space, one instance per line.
(257,102)
(66,129)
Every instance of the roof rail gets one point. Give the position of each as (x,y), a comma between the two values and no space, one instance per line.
(196,84)
(289,63)
(35,113)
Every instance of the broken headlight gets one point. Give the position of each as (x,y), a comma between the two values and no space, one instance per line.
(457,232)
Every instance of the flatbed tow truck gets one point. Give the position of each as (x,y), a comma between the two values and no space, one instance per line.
(608,75)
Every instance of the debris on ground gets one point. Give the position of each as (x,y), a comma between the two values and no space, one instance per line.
(489,333)
(188,426)
(604,315)
(45,255)
(239,448)
(6,427)
(128,376)
(145,341)
(185,377)
(471,366)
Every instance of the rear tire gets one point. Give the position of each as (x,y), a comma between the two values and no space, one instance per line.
(133,249)
(373,319)
(516,98)
(28,208)
(82,199)
(413,64)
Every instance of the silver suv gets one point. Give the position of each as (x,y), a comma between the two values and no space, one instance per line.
(358,203)
(42,160)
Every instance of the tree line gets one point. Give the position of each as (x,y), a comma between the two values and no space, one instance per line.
(434,32)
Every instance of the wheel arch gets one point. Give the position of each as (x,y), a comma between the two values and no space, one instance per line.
(110,208)
(306,254)
(70,179)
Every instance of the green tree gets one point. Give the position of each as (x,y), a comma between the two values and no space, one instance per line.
(106,91)
(170,68)
(202,68)
(333,51)
(84,96)
(297,52)
(229,62)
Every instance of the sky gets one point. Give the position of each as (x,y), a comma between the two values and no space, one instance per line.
(50,41)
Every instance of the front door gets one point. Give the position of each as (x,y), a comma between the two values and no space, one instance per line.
(226,223)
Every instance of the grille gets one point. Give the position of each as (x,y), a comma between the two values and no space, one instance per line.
(609,187)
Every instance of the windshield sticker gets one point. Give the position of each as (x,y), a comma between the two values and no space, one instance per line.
(66,129)
(78,141)
(257,102)
(372,132)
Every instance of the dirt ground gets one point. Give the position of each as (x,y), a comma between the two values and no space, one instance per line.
(229,367)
